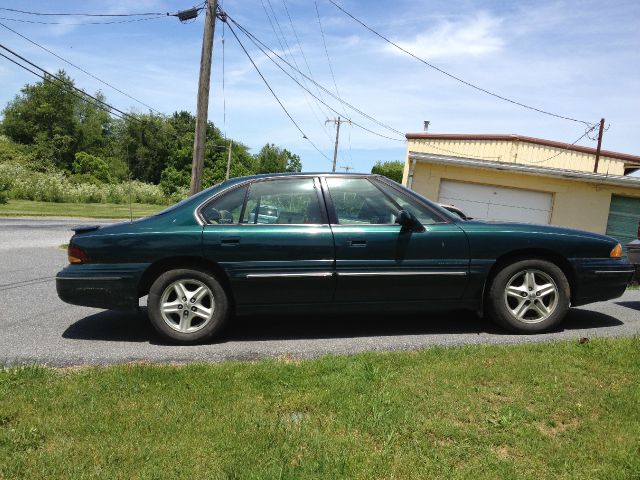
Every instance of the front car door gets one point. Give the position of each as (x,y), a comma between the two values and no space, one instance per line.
(273,239)
(378,260)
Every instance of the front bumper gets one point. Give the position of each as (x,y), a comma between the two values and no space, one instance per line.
(600,279)
(99,286)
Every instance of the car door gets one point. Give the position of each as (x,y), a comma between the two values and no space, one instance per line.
(377,259)
(273,239)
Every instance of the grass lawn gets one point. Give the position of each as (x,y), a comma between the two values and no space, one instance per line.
(17,208)
(558,410)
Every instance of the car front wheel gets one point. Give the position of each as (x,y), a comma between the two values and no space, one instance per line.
(529,296)
(187,306)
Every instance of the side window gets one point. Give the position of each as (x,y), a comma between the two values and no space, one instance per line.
(226,208)
(358,201)
(286,201)
(406,202)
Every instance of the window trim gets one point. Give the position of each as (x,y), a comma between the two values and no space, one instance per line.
(248,184)
(405,191)
(373,180)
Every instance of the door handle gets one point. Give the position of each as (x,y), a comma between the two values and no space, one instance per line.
(357,243)
(229,241)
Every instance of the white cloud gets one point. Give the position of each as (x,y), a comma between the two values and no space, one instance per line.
(471,36)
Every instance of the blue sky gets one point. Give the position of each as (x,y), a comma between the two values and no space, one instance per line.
(577,58)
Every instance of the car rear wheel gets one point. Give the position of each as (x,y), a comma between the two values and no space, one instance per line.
(187,306)
(529,296)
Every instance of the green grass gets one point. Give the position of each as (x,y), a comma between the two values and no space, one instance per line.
(545,411)
(17,208)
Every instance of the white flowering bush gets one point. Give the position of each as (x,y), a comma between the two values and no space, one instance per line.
(20,182)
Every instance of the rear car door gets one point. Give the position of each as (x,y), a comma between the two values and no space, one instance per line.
(273,239)
(377,260)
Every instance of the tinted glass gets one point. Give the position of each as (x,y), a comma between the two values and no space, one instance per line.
(287,201)
(406,202)
(358,201)
(226,208)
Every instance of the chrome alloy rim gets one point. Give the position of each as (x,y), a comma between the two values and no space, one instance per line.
(187,305)
(531,296)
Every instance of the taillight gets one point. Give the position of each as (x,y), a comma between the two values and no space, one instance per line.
(616,252)
(76,254)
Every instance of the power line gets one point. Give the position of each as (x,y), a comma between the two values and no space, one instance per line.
(287,51)
(326,51)
(564,149)
(48,78)
(295,34)
(144,19)
(458,79)
(259,44)
(79,68)
(70,85)
(81,14)
(274,94)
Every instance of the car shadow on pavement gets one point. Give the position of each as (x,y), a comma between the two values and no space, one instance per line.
(134,326)
(631,305)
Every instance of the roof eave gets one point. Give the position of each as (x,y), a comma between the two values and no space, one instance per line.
(599,178)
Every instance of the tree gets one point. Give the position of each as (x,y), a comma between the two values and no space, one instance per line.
(392,170)
(272,159)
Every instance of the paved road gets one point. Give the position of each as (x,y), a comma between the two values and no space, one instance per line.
(36,327)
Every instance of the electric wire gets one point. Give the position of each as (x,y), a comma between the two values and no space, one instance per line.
(568,147)
(58,81)
(262,47)
(144,19)
(326,51)
(80,68)
(15,10)
(275,95)
(70,85)
(287,51)
(295,34)
(456,78)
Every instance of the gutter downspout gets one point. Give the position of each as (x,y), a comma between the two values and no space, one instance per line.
(410,176)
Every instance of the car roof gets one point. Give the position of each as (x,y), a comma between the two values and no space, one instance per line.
(236,180)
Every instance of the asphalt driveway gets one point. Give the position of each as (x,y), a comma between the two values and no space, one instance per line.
(36,327)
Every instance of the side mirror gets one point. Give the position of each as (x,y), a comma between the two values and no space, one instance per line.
(408,221)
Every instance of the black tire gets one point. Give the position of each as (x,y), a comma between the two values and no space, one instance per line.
(199,329)
(526,314)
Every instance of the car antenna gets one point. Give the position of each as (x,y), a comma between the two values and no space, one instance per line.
(129,184)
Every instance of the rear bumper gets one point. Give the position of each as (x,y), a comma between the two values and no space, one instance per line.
(600,279)
(98,286)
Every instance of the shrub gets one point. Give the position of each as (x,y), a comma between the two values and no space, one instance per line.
(86,164)
(172,180)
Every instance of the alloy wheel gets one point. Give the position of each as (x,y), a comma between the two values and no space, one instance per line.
(187,305)
(531,296)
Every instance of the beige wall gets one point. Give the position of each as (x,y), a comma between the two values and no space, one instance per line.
(576,204)
(518,152)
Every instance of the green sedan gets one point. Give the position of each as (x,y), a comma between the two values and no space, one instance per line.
(333,243)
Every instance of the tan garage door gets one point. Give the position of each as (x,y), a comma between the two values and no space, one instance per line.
(492,202)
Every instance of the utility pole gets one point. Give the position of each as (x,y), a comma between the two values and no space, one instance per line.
(347,168)
(337,122)
(595,167)
(200,138)
(229,160)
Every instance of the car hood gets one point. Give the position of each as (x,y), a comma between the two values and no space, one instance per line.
(480,225)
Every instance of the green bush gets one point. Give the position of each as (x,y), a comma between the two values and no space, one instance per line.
(392,170)
(172,180)
(86,164)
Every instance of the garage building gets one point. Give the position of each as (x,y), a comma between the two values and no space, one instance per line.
(526,179)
